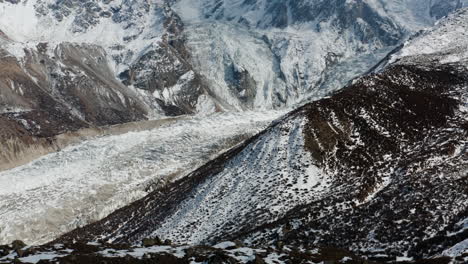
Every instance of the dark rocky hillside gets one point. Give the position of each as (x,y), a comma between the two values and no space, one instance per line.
(393,147)
(156,251)
(397,149)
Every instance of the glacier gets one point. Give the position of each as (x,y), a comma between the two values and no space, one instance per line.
(84,182)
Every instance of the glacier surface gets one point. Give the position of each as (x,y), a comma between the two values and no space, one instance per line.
(85,182)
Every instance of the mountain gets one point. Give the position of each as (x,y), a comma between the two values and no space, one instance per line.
(378,168)
(68,65)
(306,49)
(139,59)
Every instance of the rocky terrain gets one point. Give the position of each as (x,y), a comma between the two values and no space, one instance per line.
(157,251)
(330,189)
(399,201)
(109,62)
(373,173)
(378,168)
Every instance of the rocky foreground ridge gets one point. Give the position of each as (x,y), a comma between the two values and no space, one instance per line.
(157,251)
(388,176)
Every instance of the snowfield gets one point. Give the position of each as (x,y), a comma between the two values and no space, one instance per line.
(86,182)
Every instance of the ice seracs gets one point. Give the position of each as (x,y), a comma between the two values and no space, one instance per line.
(85,182)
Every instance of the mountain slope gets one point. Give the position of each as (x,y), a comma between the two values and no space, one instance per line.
(377,165)
(379,168)
(179,57)
(352,170)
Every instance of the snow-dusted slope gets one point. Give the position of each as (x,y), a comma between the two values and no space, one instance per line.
(378,167)
(259,185)
(447,41)
(85,182)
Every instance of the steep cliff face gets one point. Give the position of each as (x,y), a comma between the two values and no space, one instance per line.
(49,91)
(378,168)
(306,49)
(281,14)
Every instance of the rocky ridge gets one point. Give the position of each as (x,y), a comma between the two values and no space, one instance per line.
(157,251)
(151,52)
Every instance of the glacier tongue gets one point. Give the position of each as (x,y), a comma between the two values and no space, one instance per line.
(85,182)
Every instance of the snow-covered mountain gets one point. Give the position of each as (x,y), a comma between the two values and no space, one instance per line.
(174,57)
(378,168)
(73,64)
(293,51)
